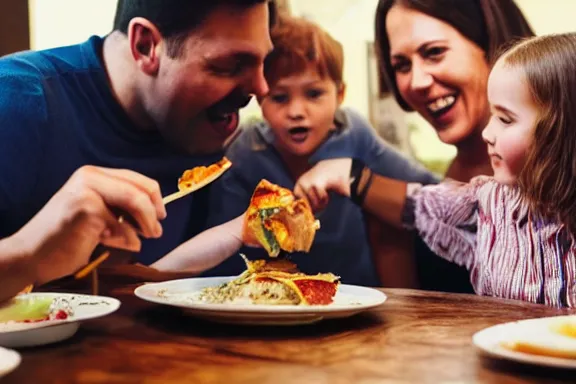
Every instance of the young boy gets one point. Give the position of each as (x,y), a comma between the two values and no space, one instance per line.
(304,123)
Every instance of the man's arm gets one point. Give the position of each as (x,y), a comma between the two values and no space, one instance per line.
(17,267)
(60,238)
(23,119)
(204,251)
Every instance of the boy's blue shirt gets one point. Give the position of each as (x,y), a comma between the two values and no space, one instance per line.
(341,245)
(57,113)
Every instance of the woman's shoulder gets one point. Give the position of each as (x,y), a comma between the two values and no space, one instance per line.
(350,120)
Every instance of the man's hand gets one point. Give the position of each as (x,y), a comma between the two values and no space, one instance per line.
(63,235)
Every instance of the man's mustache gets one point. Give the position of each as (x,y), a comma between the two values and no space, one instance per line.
(231,103)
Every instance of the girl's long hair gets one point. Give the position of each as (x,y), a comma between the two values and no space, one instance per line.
(548,178)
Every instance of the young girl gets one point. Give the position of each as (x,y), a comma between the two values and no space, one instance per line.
(514,232)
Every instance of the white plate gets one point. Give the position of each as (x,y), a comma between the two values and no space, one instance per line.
(15,335)
(9,361)
(349,300)
(538,331)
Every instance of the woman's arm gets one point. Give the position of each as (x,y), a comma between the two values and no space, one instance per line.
(391,247)
(392,253)
(359,140)
(383,197)
(444,215)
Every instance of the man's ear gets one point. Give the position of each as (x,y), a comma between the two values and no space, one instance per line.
(145,45)
(340,93)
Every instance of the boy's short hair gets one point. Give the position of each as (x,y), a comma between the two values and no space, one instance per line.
(298,44)
(175,19)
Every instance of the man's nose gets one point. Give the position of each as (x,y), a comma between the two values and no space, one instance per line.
(259,85)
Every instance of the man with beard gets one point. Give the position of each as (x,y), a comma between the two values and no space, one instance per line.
(103,126)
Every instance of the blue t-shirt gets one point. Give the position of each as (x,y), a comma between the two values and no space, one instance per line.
(57,113)
(341,245)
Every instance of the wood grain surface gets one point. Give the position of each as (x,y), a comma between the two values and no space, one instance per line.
(415,337)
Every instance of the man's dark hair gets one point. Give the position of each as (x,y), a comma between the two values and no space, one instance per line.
(175,19)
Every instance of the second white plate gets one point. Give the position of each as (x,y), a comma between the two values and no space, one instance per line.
(535,331)
(9,361)
(15,335)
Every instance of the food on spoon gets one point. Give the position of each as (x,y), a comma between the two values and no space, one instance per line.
(275,282)
(279,221)
(30,309)
(198,175)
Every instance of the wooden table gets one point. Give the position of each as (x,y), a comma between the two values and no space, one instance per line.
(415,337)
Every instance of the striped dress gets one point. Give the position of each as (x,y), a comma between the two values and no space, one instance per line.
(486,227)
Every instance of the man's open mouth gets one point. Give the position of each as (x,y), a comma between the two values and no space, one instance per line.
(225,124)
(224,115)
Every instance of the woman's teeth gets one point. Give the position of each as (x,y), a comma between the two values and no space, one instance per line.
(441,103)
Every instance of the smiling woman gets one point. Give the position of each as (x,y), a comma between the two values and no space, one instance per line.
(435,56)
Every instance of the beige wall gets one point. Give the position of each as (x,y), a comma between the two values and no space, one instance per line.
(63,22)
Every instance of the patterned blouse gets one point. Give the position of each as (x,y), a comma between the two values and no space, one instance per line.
(486,227)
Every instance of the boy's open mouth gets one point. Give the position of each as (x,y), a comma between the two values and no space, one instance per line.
(299,134)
